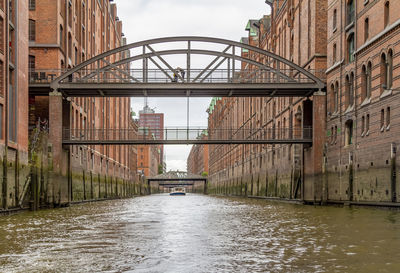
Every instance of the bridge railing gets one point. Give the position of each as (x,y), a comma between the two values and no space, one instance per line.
(187,134)
(162,76)
(44,75)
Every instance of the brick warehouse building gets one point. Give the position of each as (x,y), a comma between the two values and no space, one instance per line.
(148,118)
(148,156)
(13,101)
(276,170)
(356,52)
(63,34)
(363,79)
(197,162)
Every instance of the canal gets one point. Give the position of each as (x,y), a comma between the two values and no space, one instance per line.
(197,233)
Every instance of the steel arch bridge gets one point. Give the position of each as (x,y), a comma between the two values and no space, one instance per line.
(146,69)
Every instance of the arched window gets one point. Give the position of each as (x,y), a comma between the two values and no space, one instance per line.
(386,71)
(69,45)
(364,79)
(350,48)
(332,97)
(349,132)
(350,89)
(386,16)
(347,85)
(362,125)
(334,26)
(369,79)
(350,10)
(366,29)
(336,97)
(390,69)
(334,50)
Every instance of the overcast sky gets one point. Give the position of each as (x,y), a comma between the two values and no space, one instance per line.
(147,19)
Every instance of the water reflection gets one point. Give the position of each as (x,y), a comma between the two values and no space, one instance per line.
(196,233)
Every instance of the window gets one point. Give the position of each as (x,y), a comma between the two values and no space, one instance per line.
(336,97)
(349,133)
(366,29)
(350,48)
(12,109)
(61,37)
(386,16)
(1,35)
(350,89)
(69,46)
(32,4)
(32,30)
(1,121)
(350,12)
(31,67)
(1,78)
(362,125)
(70,14)
(332,98)
(367,125)
(336,130)
(386,70)
(334,54)
(334,26)
(382,119)
(390,69)
(369,80)
(388,118)
(364,85)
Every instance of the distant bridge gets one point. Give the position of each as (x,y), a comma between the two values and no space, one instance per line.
(173,179)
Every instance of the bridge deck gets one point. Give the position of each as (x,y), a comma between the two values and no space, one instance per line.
(187,136)
(178,142)
(177,89)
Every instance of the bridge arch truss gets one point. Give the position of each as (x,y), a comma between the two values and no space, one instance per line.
(150,68)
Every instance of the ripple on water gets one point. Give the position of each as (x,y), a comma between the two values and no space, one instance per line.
(197,233)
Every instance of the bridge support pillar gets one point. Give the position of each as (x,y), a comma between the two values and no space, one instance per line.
(319,132)
(59,119)
(205,186)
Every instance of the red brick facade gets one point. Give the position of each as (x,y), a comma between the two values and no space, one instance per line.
(296,30)
(63,34)
(363,91)
(13,100)
(354,46)
(197,162)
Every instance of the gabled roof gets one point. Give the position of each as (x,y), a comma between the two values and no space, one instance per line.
(253,31)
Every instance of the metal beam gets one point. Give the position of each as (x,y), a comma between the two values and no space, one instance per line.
(212,70)
(212,63)
(159,67)
(165,62)
(121,71)
(178,89)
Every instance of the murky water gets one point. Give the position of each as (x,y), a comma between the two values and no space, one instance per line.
(196,233)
